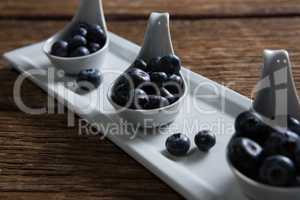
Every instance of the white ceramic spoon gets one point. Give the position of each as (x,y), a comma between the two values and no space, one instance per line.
(91,12)
(157,43)
(277,95)
(276,98)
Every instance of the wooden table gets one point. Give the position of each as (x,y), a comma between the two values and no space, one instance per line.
(42,158)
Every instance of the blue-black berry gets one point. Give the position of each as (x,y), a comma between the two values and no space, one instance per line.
(247,124)
(159,78)
(278,171)
(60,48)
(140,64)
(89,79)
(245,155)
(205,140)
(156,102)
(178,144)
(165,93)
(77,41)
(80,51)
(170,64)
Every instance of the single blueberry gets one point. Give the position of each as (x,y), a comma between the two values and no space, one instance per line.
(159,78)
(278,171)
(121,94)
(247,124)
(89,79)
(80,51)
(93,47)
(153,65)
(150,88)
(178,144)
(60,48)
(156,102)
(77,41)
(139,99)
(138,76)
(205,140)
(96,34)
(165,93)
(124,80)
(80,31)
(283,143)
(140,64)
(245,155)
(175,85)
(294,125)
(170,64)
(176,79)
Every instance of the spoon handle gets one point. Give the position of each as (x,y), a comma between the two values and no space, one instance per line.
(157,40)
(91,11)
(276,96)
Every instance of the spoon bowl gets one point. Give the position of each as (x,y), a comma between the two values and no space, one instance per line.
(273,110)
(157,43)
(258,191)
(91,12)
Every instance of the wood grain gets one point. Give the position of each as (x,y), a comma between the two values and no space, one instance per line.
(40,157)
(141,8)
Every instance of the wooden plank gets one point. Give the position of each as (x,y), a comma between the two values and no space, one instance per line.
(40,157)
(142,8)
(220,49)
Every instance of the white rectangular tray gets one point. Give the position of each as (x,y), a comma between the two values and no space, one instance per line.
(196,176)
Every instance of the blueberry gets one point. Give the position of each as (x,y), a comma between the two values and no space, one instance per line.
(176,79)
(159,78)
(121,94)
(96,34)
(139,98)
(165,93)
(80,31)
(170,64)
(90,76)
(205,140)
(245,155)
(153,65)
(60,48)
(283,143)
(80,51)
(77,41)
(140,64)
(156,102)
(175,85)
(150,88)
(247,124)
(123,79)
(93,47)
(178,144)
(278,171)
(294,125)
(138,76)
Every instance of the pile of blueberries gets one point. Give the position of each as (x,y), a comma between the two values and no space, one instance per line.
(179,144)
(84,39)
(264,154)
(151,85)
